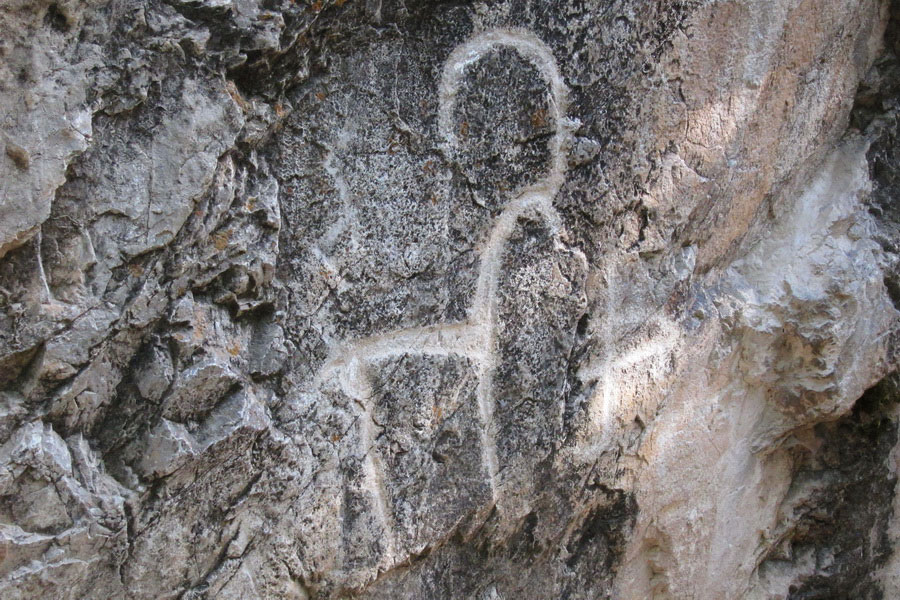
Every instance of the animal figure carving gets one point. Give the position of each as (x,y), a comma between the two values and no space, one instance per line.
(474,338)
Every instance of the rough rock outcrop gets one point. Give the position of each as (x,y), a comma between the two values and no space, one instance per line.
(433,299)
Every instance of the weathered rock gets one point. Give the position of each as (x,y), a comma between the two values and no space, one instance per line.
(411,299)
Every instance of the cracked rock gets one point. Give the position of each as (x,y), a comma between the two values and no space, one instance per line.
(479,300)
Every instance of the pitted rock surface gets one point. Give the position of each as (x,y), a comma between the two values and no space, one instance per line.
(413,299)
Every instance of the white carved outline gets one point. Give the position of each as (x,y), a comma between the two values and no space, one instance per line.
(473,338)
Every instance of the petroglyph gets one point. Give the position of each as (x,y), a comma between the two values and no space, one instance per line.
(474,338)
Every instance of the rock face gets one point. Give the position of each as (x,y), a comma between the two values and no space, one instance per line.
(427,299)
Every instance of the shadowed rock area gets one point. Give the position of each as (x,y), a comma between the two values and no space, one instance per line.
(488,300)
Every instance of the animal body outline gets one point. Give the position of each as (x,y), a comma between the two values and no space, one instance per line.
(474,337)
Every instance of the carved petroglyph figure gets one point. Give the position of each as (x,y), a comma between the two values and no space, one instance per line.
(475,337)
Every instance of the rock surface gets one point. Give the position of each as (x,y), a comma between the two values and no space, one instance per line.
(428,299)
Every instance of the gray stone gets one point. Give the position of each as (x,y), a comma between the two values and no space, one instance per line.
(481,300)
